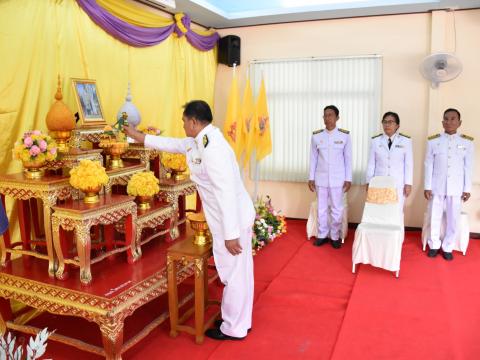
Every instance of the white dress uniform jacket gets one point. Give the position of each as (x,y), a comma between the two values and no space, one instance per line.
(448,173)
(331,158)
(396,161)
(230,214)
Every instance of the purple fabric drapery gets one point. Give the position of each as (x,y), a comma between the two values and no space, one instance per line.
(139,36)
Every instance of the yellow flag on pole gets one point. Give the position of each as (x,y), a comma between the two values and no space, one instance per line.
(248,111)
(232,128)
(262,136)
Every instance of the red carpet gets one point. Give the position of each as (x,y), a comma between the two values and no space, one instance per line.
(308,305)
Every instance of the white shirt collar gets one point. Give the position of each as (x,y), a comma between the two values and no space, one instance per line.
(391,137)
(204,131)
(331,131)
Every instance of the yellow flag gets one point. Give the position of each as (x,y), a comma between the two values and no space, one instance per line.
(262,136)
(247,117)
(232,128)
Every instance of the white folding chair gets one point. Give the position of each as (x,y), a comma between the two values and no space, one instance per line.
(462,237)
(379,237)
(312,225)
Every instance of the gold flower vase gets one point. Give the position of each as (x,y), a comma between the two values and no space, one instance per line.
(143,202)
(33,169)
(199,225)
(61,138)
(178,175)
(91,195)
(115,150)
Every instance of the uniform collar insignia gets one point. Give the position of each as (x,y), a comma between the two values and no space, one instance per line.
(205,140)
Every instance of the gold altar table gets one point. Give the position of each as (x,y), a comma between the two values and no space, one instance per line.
(49,189)
(118,291)
(174,192)
(186,252)
(121,176)
(153,218)
(80,217)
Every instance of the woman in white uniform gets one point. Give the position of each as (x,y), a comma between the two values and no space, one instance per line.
(391,155)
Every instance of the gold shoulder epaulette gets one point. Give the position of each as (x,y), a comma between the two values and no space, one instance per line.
(344,131)
(317,131)
(404,135)
(373,137)
(433,136)
(467,137)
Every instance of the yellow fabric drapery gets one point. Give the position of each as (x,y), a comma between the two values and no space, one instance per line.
(41,39)
(135,15)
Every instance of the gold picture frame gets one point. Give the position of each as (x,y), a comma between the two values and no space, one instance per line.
(90,109)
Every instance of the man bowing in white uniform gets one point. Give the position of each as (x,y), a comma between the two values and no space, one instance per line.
(229,211)
(448,181)
(391,155)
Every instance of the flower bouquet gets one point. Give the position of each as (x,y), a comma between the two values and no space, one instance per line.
(89,176)
(176,164)
(114,143)
(34,149)
(144,186)
(268,224)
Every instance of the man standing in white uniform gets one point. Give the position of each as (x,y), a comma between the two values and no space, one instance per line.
(391,155)
(330,175)
(448,181)
(229,211)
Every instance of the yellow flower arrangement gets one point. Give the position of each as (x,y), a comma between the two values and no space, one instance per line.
(176,162)
(143,184)
(88,175)
(35,146)
(150,130)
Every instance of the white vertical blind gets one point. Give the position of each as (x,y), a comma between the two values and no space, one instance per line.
(297,92)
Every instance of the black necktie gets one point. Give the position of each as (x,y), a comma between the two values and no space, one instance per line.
(389,143)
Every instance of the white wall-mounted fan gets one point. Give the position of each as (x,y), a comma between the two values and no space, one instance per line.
(440,67)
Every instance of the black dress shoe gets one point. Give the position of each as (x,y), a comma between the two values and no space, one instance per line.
(447,256)
(320,241)
(336,244)
(216,334)
(219,322)
(432,253)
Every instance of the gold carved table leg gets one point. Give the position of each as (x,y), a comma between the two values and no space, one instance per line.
(172,295)
(47,212)
(112,337)
(82,236)
(200,292)
(58,248)
(3,252)
(174,231)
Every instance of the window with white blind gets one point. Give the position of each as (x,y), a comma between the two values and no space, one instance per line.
(297,92)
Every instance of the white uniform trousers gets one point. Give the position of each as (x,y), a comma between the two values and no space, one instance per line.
(452,206)
(236,273)
(332,196)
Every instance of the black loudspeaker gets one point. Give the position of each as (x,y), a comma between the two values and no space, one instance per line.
(229,50)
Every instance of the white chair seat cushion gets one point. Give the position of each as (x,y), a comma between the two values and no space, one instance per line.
(378,245)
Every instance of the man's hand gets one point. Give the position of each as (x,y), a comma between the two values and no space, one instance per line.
(407,189)
(427,194)
(134,134)
(311,185)
(346,186)
(465,196)
(233,246)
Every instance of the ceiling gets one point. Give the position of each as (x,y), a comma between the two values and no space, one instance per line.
(234,13)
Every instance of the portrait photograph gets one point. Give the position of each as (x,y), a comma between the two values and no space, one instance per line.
(88,102)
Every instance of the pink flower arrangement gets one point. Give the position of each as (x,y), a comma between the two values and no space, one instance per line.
(268,225)
(35,146)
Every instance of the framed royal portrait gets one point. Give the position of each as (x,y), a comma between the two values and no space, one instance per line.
(88,103)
